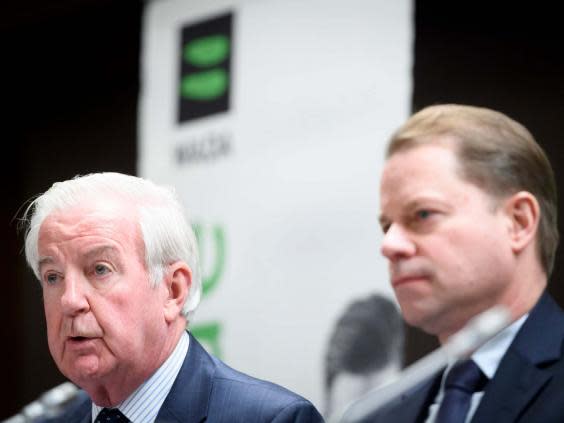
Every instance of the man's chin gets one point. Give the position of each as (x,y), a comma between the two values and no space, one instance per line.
(83,368)
(420,318)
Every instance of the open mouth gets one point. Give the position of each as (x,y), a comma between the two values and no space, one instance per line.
(78,339)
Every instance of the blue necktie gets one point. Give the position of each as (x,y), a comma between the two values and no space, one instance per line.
(111,415)
(463,379)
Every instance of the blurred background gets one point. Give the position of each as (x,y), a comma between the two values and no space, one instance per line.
(71,74)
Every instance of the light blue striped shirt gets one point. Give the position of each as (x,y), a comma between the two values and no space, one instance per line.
(143,405)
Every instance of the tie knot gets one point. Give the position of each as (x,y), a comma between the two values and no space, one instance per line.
(466,376)
(111,415)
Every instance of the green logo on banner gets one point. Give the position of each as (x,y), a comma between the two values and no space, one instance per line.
(215,264)
(204,82)
(207,51)
(206,85)
(211,239)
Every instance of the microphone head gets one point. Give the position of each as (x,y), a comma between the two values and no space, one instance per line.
(58,395)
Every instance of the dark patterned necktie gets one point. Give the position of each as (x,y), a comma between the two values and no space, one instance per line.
(111,415)
(463,379)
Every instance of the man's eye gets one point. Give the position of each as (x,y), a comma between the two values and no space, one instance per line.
(101,270)
(51,278)
(423,214)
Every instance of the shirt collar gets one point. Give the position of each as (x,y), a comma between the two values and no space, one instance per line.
(489,355)
(143,405)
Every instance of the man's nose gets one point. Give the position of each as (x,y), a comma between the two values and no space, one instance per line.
(397,243)
(73,299)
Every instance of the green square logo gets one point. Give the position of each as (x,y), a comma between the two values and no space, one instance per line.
(205,68)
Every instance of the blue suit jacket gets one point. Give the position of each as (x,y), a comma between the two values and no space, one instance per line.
(528,385)
(207,390)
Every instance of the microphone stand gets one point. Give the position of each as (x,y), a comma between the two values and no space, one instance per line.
(49,404)
(461,345)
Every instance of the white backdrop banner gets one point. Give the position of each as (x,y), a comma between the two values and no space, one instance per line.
(270,118)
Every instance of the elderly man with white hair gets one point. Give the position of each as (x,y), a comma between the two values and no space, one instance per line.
(118,265)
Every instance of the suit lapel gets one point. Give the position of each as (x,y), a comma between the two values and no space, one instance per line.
(188,399)
(525,368)
(415,407)
(79,410)
(412,406)
(516,383)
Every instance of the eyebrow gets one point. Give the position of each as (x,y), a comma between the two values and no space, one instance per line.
(104,250)
(414,203)
(45,260)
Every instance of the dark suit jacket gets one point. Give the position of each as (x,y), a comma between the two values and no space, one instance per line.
(528,385)
(207,390)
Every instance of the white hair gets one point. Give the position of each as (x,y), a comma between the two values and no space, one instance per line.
(165,228)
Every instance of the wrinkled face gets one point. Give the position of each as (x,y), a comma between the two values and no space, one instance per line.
(105,323)
(447,245)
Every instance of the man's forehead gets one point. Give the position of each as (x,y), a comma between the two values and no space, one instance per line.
(115,223)
(77,221)
(426,173)
(429,160)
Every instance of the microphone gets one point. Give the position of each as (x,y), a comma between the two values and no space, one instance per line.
(461,345)
(50,404)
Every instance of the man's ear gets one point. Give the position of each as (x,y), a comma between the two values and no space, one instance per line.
(523,211)
(178,281)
